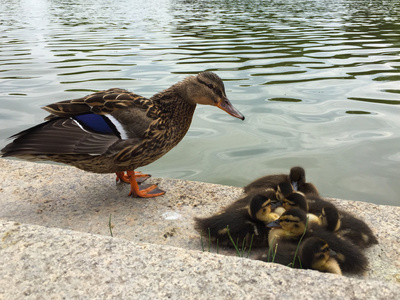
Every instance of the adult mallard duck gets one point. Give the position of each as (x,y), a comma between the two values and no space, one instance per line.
(114,131)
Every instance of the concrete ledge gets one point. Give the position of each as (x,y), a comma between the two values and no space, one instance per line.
(155,251)
(64,264)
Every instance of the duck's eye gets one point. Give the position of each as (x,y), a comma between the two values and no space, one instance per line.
(210,86)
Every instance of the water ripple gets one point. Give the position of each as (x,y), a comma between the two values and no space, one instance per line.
(318,81)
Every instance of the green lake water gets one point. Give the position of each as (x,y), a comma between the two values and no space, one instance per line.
(318,81)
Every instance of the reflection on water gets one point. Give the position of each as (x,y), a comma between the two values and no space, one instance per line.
(318,81)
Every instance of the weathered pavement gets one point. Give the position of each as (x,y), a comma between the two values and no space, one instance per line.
(56,243)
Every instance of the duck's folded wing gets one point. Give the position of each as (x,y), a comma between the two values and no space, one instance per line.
(60,136)
(101,103)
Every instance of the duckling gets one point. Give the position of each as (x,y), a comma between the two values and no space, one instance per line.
(292,225)
(266,182)
(289,227)
(329,218)
(326,214)
(317,203)
(295,200)
(114,131)
(314,253)
(348,227)
(296,178)
(298,181)
(246,198)
(246,225)
(298,200)
(283,190)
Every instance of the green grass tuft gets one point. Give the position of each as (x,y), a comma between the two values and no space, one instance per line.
(110,226)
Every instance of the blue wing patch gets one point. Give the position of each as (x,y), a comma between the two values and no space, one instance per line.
(97,123)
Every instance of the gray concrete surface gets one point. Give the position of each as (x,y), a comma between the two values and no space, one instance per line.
(56,243)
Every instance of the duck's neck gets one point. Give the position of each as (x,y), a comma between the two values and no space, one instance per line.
(175,115)
(174,105)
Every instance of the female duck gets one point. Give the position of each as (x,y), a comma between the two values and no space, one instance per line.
(114,131)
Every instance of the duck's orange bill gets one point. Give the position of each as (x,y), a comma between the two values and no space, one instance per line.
(227,106)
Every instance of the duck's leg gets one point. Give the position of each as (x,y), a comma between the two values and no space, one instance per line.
(140,177)
(144,191)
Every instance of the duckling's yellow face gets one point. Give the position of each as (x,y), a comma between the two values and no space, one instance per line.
(286,227)
(323,261)
(292,225)
(315,254)
(263,214)
(321,257)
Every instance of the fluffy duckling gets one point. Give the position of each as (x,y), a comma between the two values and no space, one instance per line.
(246,198)
(114,131)
(326,214)
(296,178)
(317,203)
(266,182)
(283,190)
(298,181)
(298,200)
(347,226)
(329,219)
(316,254)
(246,225)
(292,225)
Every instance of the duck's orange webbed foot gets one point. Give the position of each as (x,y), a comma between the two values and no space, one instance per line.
(140,177)
(144,191)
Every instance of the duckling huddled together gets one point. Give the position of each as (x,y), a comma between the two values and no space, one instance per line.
(297,227)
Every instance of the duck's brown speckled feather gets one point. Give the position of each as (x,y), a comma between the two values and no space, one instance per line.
(153,133)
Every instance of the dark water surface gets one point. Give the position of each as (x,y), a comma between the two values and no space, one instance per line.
(318,81)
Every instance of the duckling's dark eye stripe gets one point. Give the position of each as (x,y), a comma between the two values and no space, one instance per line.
(290,221)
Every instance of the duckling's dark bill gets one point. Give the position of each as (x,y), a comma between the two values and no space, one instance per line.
(274,224)
(227,106)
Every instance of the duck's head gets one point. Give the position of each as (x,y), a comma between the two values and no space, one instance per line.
(283,190)
(297,177)
(291,224)
(207,88)
(260,206)
(329,218)
(316,254)
(295,200)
